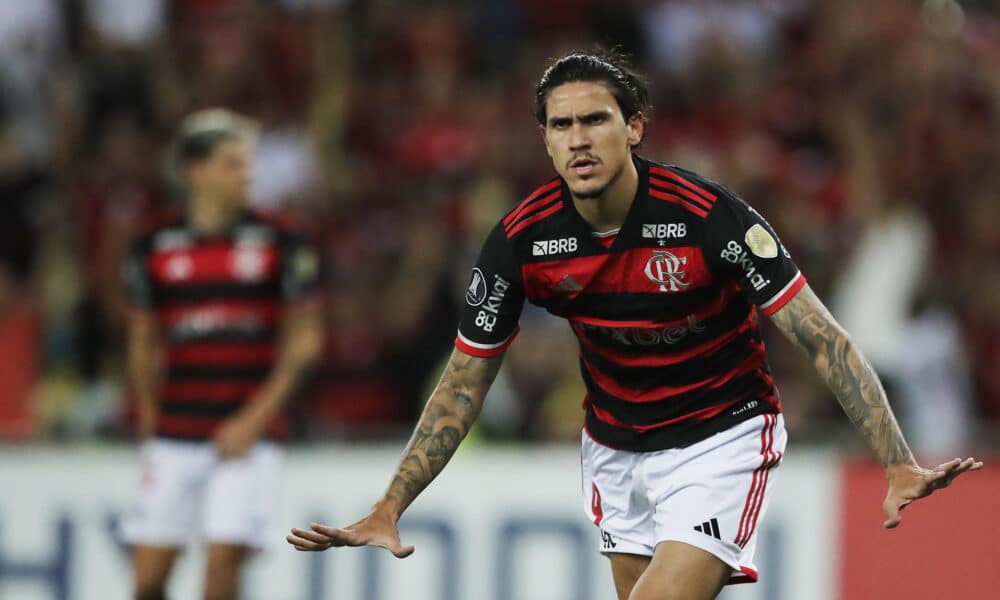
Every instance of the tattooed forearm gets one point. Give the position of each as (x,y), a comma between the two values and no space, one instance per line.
(805,321)
(446,419)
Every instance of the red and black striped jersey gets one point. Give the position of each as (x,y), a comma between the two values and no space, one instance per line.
(219,302)
(666,314)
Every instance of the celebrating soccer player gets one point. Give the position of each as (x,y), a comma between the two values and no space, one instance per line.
(663,275)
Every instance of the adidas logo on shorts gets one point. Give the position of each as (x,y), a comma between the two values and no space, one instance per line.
(709,527)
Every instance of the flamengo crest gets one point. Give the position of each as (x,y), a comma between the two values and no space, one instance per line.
(665,269)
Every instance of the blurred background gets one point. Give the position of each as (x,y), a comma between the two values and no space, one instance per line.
(396,133)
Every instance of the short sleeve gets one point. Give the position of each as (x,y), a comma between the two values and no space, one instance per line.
(299,270)
(743,247)
(493,299)
(136,276)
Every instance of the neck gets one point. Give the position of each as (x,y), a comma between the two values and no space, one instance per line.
(608,211)
(210,215)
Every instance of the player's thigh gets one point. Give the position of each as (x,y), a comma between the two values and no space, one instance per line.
(151,566)
(626,570)
(222,570)
(679,571)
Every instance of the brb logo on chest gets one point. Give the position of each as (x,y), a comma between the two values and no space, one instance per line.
(547,247)
(664,230)
(664,268)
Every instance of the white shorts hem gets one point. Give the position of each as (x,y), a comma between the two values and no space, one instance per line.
(154,540)
(623,546)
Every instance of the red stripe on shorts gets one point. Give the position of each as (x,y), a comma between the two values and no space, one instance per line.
(765,471)
(595,506)
(776,457)
(757,478)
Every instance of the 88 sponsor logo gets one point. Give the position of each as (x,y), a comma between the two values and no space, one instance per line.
(486,318)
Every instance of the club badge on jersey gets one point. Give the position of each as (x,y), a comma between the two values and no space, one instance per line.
(664,268)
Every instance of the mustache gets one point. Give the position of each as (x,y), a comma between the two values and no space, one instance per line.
(578,157)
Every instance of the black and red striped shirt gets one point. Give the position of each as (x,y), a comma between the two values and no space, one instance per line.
(666,314)
(219,302)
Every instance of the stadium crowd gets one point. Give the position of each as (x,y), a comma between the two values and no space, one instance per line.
(396,133)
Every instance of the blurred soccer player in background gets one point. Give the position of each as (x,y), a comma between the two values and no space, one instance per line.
(227,298)
(661,274)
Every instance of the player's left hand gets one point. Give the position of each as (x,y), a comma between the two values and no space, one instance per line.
(911,482)
(235,437)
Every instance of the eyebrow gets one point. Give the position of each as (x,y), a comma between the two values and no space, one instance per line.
(597,113)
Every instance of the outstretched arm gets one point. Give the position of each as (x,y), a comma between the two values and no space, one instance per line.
(449,414)
(447,418)
(807,323)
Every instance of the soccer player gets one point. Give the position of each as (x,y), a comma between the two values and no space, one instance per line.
(662,275)
(228,299)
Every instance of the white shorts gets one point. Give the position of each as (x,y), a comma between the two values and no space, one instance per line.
(189,493)
(710,495)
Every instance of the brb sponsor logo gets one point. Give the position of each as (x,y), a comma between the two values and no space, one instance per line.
(735,254)
(664,230)
(487,317)
(664,268)
(550,247)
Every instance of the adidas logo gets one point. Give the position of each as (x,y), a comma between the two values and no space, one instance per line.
(710,528)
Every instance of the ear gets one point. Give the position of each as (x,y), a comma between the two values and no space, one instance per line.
(636,129)
(545,140)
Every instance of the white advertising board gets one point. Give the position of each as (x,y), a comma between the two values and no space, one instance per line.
(496,525)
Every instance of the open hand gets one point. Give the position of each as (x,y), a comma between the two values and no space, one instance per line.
(377,529)
(910,482)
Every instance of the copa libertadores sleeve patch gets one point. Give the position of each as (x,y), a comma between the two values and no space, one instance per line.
(744,247)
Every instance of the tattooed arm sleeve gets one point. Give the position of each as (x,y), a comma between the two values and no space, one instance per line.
(806,322)
(447,417)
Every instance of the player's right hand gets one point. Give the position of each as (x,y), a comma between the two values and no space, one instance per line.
(377,529)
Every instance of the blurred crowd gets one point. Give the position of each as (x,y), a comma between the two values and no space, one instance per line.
(395,133)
